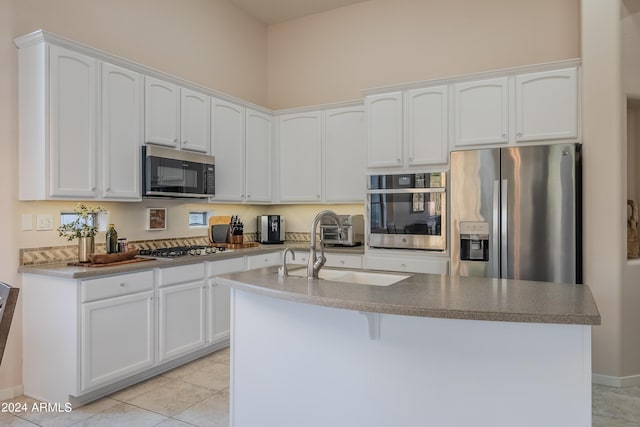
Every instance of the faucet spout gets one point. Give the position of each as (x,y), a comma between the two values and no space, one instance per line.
(316,262)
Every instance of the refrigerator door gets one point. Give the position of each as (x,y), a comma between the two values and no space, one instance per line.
(539,225)
(475,213)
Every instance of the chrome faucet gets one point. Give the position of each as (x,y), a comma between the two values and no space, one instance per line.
(316,263)
(282,270)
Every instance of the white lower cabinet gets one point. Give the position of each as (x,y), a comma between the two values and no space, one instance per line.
(181,311)
(218,300)
(117,332)
(264,260)
(117,338)
(407,263)
(333,259)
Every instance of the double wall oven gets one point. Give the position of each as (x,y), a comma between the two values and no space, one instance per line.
(407,211)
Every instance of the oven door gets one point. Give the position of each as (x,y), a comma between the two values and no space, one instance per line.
(409,218)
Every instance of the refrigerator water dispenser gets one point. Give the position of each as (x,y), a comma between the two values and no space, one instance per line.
(474,241)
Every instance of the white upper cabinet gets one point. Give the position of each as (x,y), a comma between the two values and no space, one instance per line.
(122,115)
(300,157)
(408,129)
(482,112)
(228,148)
(73,123)
(161,112)
(344,167)
(195,123)
(384,130)
(176,117)
(258,156)
(427,126)
(547,105)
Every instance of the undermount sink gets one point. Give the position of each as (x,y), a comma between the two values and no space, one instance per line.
(351,276)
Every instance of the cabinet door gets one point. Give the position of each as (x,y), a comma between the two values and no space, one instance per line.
(117,338)
(384,130)
(121,132)
(182,319)
(482,112)
(427,112)
(195,124)
(258,156)
(228,149)
(300,157)
(547,105)
(344,161)
(161,112)
(73,107)
(219,306)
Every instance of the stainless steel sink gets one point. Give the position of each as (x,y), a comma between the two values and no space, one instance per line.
(353,276)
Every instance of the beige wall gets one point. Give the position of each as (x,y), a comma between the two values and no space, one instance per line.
(209,42)
(630,35)
(332,56)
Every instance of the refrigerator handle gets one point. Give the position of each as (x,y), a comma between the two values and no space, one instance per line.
(495,237)
(504,227)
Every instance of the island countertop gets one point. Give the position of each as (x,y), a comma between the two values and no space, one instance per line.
(430,295)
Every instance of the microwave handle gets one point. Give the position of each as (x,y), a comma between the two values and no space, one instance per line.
(407,190)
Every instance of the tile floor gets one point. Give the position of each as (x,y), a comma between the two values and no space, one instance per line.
(197,394)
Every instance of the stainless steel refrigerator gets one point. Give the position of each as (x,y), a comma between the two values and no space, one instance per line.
(516,213)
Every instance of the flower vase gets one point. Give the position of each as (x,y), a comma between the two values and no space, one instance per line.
(86,246)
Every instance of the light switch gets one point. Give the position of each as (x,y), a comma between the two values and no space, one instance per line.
(27,222)
(44,222)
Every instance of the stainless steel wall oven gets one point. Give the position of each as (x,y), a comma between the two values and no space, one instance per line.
(407,211)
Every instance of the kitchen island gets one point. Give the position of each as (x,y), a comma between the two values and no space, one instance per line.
(427,350)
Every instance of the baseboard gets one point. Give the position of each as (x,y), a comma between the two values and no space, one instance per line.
(10,393)
(631,381)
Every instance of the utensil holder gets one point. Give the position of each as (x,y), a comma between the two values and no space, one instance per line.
(236,239)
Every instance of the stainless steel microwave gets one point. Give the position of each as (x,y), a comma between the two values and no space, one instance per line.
(168,172)
(407,211)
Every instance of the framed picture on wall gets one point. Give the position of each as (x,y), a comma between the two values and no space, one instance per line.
(156,218)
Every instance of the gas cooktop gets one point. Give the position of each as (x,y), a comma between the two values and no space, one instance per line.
(180,251)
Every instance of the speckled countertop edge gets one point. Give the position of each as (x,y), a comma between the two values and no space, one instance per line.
(62,270)
(427,295)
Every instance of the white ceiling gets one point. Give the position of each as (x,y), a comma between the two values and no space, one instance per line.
(276,11)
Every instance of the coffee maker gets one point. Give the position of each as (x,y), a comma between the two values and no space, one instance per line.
(270,229)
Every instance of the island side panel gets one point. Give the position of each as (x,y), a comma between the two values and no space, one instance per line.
(297,364)
(49,338)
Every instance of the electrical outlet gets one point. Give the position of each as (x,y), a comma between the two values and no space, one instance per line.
(27,222)
(44,222)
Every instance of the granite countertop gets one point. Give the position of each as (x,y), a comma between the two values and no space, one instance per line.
(430,295)
(73,272)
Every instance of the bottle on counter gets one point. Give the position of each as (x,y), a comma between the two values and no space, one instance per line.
(112,240)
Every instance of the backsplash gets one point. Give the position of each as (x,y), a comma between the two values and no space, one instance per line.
(62,254)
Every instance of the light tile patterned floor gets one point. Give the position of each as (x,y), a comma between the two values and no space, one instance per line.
(197,394)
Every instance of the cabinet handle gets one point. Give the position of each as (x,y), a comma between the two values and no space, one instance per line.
(185,142)
(403,265)
(519,134)
(504,135)
(317,196)
(122,285)
(398,161)
(175,140)
(342,261)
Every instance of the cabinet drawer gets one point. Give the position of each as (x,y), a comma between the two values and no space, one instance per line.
(216,268)
(182,274)
(123,284)
(264,260)
(343,260)
(411,265)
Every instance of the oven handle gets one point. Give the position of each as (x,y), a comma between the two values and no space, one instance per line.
(408,191)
